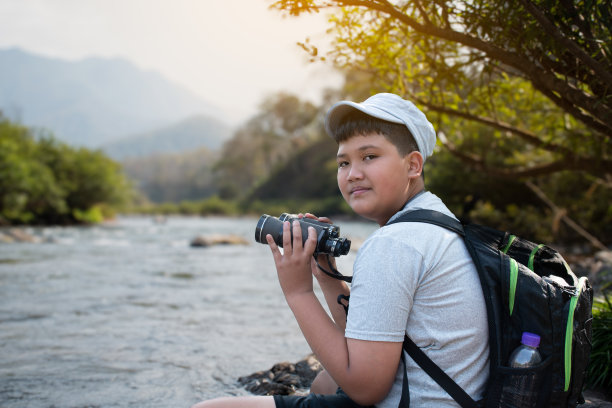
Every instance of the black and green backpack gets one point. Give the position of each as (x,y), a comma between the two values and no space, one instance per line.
(527,288)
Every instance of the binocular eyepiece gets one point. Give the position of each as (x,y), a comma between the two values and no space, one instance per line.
(328,235)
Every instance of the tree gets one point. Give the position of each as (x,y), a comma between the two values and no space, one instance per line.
(44,181)
(28,188)
(517,90)
(536,72)
(285,124)
(173,177)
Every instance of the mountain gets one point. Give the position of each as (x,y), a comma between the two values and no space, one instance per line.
(93,101)
(189,134)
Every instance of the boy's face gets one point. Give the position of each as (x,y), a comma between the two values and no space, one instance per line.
(372,176)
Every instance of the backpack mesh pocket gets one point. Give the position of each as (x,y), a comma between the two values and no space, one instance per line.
(518,387)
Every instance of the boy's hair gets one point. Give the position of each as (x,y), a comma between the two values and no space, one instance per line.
(357,123)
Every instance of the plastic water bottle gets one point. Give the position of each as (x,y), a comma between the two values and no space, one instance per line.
(521,390)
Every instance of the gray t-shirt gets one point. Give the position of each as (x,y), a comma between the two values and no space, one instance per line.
(419,279)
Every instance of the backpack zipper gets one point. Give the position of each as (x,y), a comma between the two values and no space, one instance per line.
(569,332)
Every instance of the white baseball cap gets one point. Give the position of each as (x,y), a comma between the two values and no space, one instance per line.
(392,108)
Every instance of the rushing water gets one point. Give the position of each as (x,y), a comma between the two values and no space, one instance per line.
(127,314)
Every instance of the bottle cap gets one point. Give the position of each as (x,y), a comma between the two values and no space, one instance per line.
(530,339)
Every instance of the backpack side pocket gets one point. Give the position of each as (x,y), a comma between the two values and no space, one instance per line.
(511,386)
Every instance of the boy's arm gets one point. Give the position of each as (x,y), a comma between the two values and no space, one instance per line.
(364,369)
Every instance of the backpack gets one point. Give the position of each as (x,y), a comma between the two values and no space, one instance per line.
(527,288)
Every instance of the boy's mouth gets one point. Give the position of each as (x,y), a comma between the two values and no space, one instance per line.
(358,190)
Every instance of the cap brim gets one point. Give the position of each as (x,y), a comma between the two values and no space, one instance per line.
(338,111)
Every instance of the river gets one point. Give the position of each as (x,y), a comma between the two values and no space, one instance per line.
(127,314)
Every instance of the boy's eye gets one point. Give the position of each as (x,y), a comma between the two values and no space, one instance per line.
(369,157)
(342,164)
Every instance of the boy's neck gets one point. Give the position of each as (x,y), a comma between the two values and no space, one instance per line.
(414,196)
(415,188)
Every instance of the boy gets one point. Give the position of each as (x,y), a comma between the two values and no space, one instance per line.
(409,278)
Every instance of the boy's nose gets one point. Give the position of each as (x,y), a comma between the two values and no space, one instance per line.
(355,173)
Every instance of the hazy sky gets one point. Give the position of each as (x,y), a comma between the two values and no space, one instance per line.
(232,53)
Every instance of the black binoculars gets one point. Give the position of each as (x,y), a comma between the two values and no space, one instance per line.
(328,235)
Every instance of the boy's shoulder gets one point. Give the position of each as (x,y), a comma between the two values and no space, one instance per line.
(408,236)
(424,200)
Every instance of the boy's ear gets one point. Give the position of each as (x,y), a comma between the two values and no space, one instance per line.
(415,161)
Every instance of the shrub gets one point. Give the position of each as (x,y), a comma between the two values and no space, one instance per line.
(600,366)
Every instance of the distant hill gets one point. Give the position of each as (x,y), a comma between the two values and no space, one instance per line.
(93,101)
(192,133)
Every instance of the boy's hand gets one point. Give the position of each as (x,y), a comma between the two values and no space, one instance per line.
(325,261)
(293,265)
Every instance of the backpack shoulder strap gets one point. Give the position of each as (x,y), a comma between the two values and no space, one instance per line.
(437,374)
(431,217)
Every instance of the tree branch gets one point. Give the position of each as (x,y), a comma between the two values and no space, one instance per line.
(571,46)
(526,135)
(603,128)
(527,172)
(594,112)
(593,46)
(571,94)
(511,173)
(561,213)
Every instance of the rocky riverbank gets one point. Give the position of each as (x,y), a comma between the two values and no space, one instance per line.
(283,378)
(295,378)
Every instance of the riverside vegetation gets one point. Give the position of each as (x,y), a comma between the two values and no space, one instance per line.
(43,181)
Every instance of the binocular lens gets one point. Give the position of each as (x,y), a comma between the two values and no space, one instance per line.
(269,225)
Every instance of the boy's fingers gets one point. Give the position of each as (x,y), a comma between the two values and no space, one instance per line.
(311,242)
(297,236)
(287,237)
(273,246)
(314,217)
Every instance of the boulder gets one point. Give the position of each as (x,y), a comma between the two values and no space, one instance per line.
(598,268)
(18,235)
(283,378)
(210,240)
(596,399)
(6,238)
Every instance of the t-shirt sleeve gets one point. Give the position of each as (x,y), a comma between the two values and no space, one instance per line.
(385,277)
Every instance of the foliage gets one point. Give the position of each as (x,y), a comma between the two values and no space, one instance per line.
(329,206)
(45,181)
(519,93)
(537,71)
(284,124)
(209,206)
(173,177)
(507,204)
(90,216)
(310,172)
(600,365)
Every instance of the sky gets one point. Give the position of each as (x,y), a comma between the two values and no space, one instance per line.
(231,53)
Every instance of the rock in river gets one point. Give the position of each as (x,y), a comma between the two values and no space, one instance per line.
(209,240)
